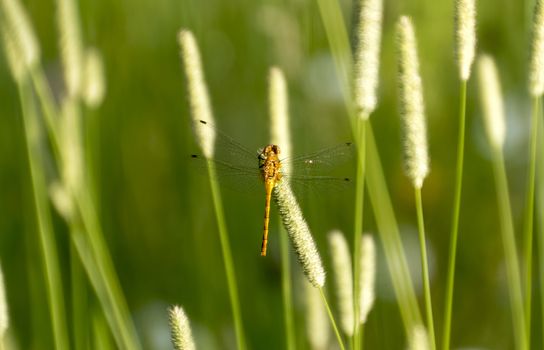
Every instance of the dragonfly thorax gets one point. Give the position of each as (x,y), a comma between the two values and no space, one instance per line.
(270,164)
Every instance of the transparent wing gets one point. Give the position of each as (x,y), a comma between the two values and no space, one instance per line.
(238,168)
(320,162)
(235,177)
(228,151)
(320,185)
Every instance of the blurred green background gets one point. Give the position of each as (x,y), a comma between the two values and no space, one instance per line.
(156,209)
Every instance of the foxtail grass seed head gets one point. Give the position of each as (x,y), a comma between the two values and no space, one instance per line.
(19,28)
(71,46)
(465,36)
(198,92)
(4,316)
(182,337)
(416,159)
(94,87)
(13,55)
(418,339)
(492,102)
(299,233)
(343,284)
(367,269)
(317,321)
(61,199)
(536,68)
(279,113)
(367,55)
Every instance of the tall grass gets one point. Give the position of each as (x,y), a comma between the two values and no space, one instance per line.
(540,216)
(416,157)
(87,306)
(335,28)
(202,114)
(536,90)
(64,132)
(465,47)
(365,84)
(494,118)
(46,233)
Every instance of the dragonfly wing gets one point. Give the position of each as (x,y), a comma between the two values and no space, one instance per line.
(236,167)
(235,177)
(311,173)
(319,185)
(322,161)
(228,150)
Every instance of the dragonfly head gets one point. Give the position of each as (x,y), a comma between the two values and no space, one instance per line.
(268,152)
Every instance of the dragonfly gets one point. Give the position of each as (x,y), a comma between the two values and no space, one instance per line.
(235,164)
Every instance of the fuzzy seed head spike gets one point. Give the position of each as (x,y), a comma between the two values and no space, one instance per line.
(198,92)
(4,316)
(418,339)
(94,88)
(299,234)
(536,65)
(18,26)
(368,276)
(279,114)
(416,158)
(180,329)
(71,46)
(492,102)
(343,284)
(465,36)
(367,55)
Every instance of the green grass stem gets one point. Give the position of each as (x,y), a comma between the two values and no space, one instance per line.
(50,111)
(358,226)
(43,215)
(337,34)
(333,322)
(227,258)
(82,245)
(540,213)
(98,264)
(510,250)
(105,281)
(390,236)
(425,268)
(80,305)
(287,291)
(529,213)
(101,333)
(91,147)
(361,337)
(455,217)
